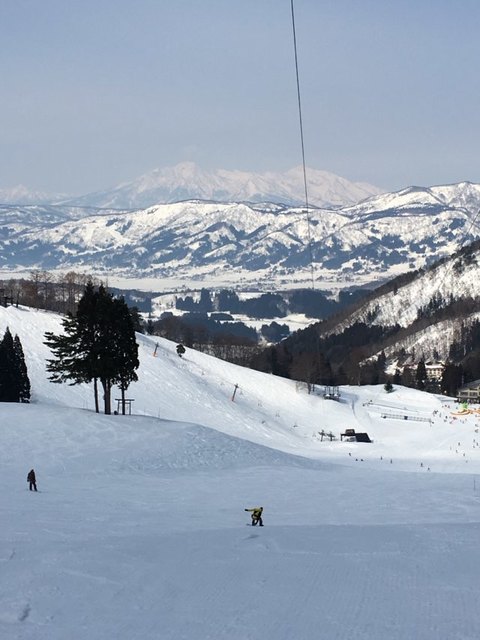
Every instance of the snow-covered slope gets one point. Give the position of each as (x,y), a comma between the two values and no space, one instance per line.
(449,279)
(267,410)
(456,278)
(187,181)
(138,528)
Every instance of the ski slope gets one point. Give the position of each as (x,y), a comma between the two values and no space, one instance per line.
(138,530)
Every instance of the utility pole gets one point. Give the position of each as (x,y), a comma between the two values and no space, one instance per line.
(234,392)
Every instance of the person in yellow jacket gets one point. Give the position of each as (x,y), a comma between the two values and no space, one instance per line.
(256,515)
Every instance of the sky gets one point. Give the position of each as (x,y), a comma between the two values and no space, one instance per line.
(98,93)
(138,529)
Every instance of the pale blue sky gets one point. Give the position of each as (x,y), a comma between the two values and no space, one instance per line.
(96,92)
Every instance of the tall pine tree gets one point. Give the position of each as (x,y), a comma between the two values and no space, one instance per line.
(126,352)
(23,380)
(14,382)
(8,385)
(421,375)
(98,345)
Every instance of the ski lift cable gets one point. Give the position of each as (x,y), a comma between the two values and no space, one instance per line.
(307,205)
(309,235)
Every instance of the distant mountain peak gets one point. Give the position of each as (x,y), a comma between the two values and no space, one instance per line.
(20,194)
(187,181)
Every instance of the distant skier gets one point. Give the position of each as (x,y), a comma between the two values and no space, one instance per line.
(256,516)
(31,479)
(180,350)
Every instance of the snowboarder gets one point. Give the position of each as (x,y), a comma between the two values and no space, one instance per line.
(31,479)
(256,516)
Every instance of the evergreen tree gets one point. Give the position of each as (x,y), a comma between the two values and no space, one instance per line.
(14,382)
(381,365)
(126,351)
(341,376)
(138,323)
(421,375)
(452,379)
(205,302)
(8,377)
(23,380)
(76,350)
(305,368)
(98,344)
(408,379)
(281,361)
(227,300)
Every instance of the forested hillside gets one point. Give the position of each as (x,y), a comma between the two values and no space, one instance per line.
(428,315)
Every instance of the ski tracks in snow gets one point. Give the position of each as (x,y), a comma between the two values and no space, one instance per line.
(331,581)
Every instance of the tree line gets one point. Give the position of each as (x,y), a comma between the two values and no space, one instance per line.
(314,304)
(61,292)
(58,292)
(234,342)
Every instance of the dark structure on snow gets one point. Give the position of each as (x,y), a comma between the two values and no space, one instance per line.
(351,436)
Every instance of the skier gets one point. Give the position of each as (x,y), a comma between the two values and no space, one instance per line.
(256,516)
(180,350)
(32,480)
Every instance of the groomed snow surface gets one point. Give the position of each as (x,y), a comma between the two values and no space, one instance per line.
(138,530)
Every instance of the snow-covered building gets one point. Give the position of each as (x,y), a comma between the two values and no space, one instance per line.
(469,392)
(434,371)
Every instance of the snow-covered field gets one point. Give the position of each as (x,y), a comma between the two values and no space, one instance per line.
(138,530)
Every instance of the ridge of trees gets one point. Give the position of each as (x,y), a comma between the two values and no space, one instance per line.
(314,304)
(232,341)
(61,292)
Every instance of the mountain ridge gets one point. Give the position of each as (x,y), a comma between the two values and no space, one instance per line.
(225,244)
(431,314)
(187,181)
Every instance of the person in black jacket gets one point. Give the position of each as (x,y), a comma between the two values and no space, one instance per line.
(31,479)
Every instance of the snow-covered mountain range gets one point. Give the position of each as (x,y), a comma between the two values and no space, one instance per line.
(220,244)
(425,305)
(22,195)
(187,181)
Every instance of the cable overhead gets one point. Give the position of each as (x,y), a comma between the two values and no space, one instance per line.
(309,235)
(473,222)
